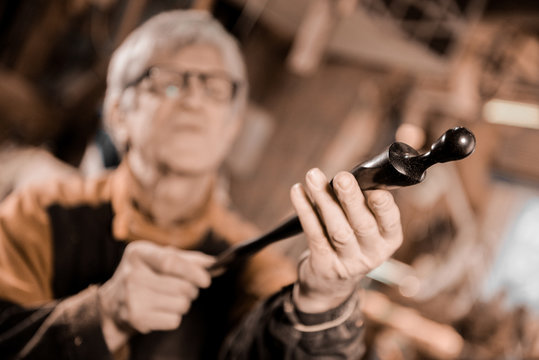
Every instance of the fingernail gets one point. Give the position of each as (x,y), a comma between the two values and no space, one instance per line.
(343,181)
(316,178)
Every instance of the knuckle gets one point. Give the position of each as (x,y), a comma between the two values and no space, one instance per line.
(141,327)
(130,251)
(194,293)
(171,322)
(365,231)
(371,262)
(180,289)
(341,236)
(184,305)
(131,313)
(188,290)
(135,247)
(380,200)
(353,198)
(206,282)
(396,242)
(317,244)
(131,278)
(168,264)
(342,272)
(177,321)
(123,314)
(393,227)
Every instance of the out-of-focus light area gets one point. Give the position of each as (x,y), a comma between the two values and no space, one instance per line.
(332,84)
(512,113)
(520,247)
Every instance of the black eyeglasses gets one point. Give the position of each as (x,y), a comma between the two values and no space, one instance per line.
(174,83)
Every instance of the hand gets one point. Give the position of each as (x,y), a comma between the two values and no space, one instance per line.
(348,236)
(151,289)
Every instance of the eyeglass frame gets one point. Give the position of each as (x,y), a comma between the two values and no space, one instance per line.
(236,84)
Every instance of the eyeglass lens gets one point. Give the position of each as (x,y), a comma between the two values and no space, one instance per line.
(174,84)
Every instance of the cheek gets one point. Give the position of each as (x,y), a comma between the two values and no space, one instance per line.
(224,133)
(143,128)
(141,133)
(223,124)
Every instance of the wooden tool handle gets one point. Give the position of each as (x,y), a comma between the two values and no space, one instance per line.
(399,165)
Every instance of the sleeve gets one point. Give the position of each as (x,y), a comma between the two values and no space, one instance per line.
(68,329)
(276,330)
(32,324)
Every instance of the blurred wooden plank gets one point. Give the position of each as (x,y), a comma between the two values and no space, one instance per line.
(308,115)
(314,34)
(203,5)
(357,134)
(247,152)
(131,18)
(439,340)
(36,47)
(515,156)
(25,116)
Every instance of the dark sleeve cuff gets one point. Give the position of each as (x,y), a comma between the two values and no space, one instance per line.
(84,334)
(330,315)
(314,322)
(274,331)
(75,323)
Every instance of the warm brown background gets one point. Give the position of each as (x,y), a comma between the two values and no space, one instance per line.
(331,82)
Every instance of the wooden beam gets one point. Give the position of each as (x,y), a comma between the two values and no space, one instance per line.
(315,32)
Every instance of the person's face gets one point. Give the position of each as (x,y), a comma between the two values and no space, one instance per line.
(182,116)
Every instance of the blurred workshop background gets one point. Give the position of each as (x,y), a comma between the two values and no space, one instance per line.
(334,82)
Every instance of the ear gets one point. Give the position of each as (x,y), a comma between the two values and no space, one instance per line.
(116,123)
(237,119)
(236,126)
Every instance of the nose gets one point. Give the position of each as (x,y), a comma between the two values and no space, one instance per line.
(193,97)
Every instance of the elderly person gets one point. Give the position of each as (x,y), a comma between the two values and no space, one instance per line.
(119,265)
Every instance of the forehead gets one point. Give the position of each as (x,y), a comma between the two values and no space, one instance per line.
(201,57)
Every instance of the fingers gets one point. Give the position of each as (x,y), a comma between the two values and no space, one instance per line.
(310,222)
(168,285)
(153,292)
(338,228)
(152,288)
(377,216)
(148,300)
(353,222)
(354,205)
(348,233)
(189,265)
(386,212)
(160,321)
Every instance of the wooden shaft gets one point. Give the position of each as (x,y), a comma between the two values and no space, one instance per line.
(399,165)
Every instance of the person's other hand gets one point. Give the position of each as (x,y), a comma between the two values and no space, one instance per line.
(152,289)
(349,234)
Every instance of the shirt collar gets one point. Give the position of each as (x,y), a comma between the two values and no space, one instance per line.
(130,224)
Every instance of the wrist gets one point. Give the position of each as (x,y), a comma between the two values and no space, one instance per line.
(312,303)
(115,335)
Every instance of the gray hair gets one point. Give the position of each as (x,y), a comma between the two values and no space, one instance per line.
(166,33)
